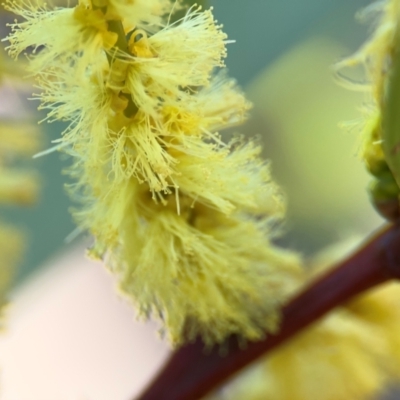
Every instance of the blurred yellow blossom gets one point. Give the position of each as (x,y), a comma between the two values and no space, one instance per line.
(18,185)
(11,249)
(351,353)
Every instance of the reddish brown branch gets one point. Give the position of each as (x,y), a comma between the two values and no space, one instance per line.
(191,373)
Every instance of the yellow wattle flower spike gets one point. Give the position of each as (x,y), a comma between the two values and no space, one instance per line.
(180,217)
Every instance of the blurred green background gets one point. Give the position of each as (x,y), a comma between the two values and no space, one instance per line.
(281,57)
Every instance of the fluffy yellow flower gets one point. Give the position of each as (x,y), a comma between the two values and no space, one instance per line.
(223,275)
(182,218)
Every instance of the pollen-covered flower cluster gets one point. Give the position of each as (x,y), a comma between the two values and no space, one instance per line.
(182,218)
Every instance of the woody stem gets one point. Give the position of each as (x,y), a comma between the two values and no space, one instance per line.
(191,373)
